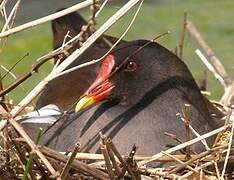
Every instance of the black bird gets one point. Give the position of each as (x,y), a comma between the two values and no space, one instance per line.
(139,89)
(65,90)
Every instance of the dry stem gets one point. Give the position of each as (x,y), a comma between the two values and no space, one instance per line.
(209,53)
(46,18)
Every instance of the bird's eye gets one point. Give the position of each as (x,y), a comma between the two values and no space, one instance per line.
(131,66)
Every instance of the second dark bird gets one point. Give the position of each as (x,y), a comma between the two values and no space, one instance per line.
(65,90)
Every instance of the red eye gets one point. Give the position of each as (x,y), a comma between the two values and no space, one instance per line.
(131,66)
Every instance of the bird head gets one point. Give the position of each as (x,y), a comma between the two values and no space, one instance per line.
(131,71)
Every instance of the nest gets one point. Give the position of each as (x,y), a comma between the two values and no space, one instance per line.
(22,157)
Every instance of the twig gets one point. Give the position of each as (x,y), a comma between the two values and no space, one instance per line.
(210,67)
(175,138)
(101,8)
(228,150)
(69,162)
(33,146)
(186,113)
(67,35)
(115,151)
(11,16)
(105,142)
(8,71)
(209,53)
(82,167)
(112,158)
(194,158)
(228,96)
(178,160)
(4,14)
(3,106)
(99,157)
(19,154)
(35,67)
(181,146)
(3,3)
(88,29)
(13,75)
(46,18)
(196,133)
(182,37)
(106,157)
(12,67)
(130,164)
(185,176)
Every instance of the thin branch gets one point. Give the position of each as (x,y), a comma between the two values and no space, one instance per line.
(178,160)
(69,162)
(198,157)
(47,18)
(107,159)
(4,14)
(228,150)
(82,167)
(181,146)
(3,3)
(101,8)
(182,37)
(99,157)
(197,134)
(228,96)
(187,122)
(186,176)
(209,53)
(11,16)
(33,146)
(39,62)
(210,67)
(9,70)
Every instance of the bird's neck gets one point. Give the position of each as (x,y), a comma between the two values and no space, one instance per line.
(152,89)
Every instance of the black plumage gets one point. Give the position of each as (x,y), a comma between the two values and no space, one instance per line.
(150,86)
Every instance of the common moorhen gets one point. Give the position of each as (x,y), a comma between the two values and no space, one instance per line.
(139,89)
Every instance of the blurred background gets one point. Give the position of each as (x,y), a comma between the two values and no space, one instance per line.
(213,19)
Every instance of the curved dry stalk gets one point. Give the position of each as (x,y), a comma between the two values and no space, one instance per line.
(181,146)
(11,16)
(210,67)
(3,3)
(209,53)
(228,151)
(46,18)
(34,148)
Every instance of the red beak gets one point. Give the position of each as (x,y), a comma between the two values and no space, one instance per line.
(101,87)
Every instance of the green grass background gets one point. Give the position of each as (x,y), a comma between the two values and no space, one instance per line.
(213,18)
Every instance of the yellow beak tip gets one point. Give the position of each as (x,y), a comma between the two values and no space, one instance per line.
(84,103)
